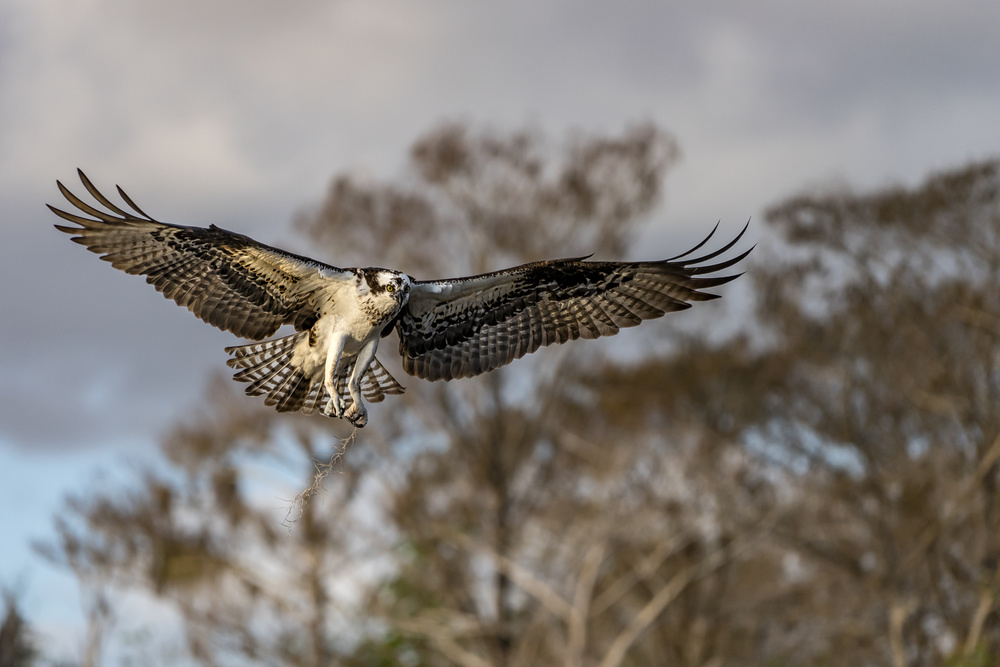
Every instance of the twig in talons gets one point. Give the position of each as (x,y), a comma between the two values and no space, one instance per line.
(297,507)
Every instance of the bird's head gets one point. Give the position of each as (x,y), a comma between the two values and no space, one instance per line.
(388,285)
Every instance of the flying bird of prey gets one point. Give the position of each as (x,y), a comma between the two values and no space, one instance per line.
(452,328)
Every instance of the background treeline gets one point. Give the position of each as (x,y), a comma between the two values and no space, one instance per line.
(803,473)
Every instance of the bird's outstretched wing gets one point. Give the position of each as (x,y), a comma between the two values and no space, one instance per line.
(227,279)
(467,326)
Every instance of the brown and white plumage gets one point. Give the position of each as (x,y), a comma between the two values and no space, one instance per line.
(447,329)
(266,366)
(226,279)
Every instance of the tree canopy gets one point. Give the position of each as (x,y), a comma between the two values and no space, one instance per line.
(819,487)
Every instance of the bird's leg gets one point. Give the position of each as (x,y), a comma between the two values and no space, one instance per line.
(334,357)
(358,413)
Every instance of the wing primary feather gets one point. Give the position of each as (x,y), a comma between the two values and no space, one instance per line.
(84,206)
(708,283)
(96,194)
(78,219)
(132,204)
(721,265)
(712,255)
(697,247)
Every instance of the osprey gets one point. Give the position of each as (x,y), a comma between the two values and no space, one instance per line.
(447,329)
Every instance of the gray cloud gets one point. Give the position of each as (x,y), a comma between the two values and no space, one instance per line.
(237,113)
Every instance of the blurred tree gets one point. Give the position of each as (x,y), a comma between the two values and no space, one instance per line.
(473,202)
(870,391)
(820,489)
(17,645)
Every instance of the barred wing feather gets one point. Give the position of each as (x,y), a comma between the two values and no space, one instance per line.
(468,326)
(226,279)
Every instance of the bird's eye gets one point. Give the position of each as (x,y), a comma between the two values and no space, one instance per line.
(390,288)
(406,289)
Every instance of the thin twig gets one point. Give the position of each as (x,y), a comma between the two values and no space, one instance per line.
(443,634)
(298,504)
(938,525)
(581,603)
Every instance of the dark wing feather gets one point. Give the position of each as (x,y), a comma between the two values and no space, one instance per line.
(467,326)
(226,279)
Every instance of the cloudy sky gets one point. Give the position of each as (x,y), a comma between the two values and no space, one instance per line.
(238,113)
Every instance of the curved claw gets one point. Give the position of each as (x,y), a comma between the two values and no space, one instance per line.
(357,414)
(335,407)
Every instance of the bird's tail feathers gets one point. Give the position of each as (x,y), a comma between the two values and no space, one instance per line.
(375,385)
(267,367)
